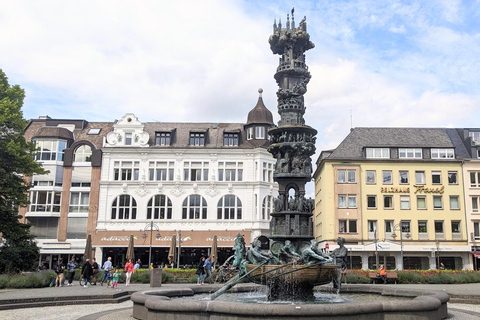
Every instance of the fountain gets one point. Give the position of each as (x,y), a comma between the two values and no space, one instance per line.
(294,265)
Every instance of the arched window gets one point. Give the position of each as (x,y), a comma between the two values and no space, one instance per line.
(267,207)
(124,207)
(229,207)
(83,154)
(194,207)
(159,207)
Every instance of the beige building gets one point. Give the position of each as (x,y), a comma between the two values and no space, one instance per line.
(397,196)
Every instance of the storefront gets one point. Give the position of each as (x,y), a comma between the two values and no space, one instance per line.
(193,245)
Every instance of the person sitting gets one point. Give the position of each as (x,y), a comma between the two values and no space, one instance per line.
(288,253)
(311,255)
(382,272)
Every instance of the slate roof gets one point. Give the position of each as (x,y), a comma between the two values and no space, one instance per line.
(352,146)
(260,114)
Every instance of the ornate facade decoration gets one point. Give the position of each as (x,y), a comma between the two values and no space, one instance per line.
(212,190)
(177,189)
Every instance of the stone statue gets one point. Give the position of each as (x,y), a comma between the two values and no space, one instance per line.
(288,252)
(239,248)
(311,255)
(256,256)
(340,254)
(279,203)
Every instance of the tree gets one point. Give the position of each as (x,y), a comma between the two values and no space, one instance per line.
(19,250)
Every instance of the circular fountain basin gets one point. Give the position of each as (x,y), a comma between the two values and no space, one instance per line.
(314,275)
(157,304)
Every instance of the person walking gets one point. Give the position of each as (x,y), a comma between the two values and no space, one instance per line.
(72,266)
(115,277)
(200,271)
(96,270)
(128,272)
(137,265)
(87,271)
(59,268)
(106,269)
(208,270)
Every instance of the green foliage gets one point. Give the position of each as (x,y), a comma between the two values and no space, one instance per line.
(19,251)
(357,278)
(31,280)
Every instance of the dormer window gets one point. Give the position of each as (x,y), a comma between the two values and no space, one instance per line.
(383,153)
(197,139)
(230,139)
(250,135)
(259,132)
(443,154)
(162,138)
(128,139)
(407,153)
(475,137)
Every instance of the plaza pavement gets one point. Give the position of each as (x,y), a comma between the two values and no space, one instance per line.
(464,303)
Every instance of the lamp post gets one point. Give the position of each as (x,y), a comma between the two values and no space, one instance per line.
(150,226)
(437,244)
(179,248)
(394,235)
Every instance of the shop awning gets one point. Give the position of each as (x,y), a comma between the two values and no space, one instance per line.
(477,254)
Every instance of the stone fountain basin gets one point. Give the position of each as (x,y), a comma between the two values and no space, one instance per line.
(314,275)
(156,304)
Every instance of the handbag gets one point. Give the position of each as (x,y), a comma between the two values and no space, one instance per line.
(378,275)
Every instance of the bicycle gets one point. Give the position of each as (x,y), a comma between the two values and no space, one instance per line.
(82,280)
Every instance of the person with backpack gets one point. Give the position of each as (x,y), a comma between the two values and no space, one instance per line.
(96,269)
(87,271)
(72,266)
(59,268)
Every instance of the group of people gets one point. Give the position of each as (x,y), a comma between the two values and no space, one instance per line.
(91,268)
(204,270)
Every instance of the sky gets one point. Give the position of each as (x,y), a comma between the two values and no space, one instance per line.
(375,63)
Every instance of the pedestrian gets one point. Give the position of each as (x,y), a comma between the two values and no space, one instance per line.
(128,271)
(208,270)
(442,266)
(200,271)
(87,271)
(96,269)
(59,268)
(137,265)
(115,277)
(151,266)
(382,273)
(106,269)
(71,267)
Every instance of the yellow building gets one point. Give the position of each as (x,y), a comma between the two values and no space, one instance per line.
(396,196)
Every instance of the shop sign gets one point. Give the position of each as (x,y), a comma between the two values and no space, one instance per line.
(53,245)
(423,189)
(395,189)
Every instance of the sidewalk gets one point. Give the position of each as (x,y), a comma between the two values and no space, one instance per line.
(122,310)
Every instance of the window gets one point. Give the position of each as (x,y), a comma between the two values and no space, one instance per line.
(162,138)
(230,139)
(378,153)
(50,150)
(475,204)
(421,202)
(159,207)
(81,176)
(420,177)
(260,132)
(456,227)
(371,177)
(230,171)
(404,202)
(437,202)
(436,177)
(94,131)
(387,176)
(194,207)
(128,139)
(404,153)
(250,133)
(475,179)
(422,226)
(352,226)
(161,170)
(45,201)
(44,228)
(79,202)
(476,230)
(124,207)
(77,228)
(371,202)
(197,139)
(404,177)
(372,226)
(195,171)
(452,177)
(454,204)
(438,226)
(83,154)
(229,208)
(389,226)
(342,226)
(267,174)
(267,207)
(475,137)
(388,202)
(443,154)
(405,226)
(347,201)
(346,176)
(126,170)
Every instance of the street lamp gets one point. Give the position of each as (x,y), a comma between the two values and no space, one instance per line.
(394,235)
(150,226)
(437,244)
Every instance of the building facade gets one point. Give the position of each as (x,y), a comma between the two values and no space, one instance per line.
(115,180)
(397,196)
